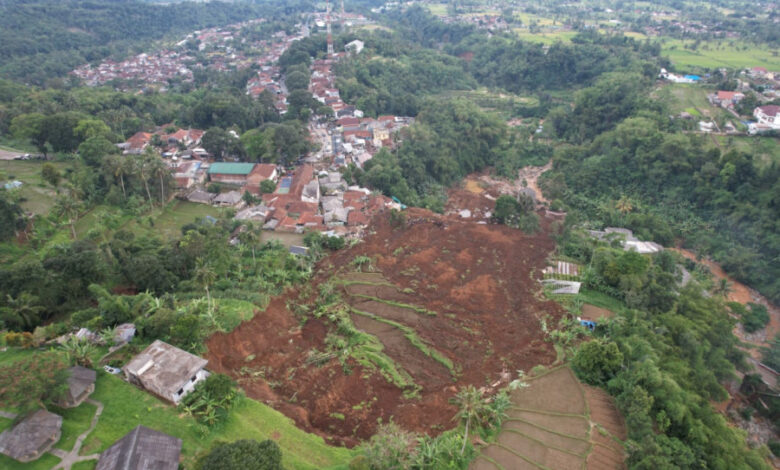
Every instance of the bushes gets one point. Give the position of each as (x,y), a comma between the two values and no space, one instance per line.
(246,454)
(210,401)
(597,361)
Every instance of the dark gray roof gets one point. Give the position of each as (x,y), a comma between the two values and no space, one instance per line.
(79,380)
(142,449)
(29,435)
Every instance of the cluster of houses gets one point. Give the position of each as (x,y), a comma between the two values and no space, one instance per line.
(170,140)
(304,199)
(269,74)
(161,369)
(158,68)
(217,45)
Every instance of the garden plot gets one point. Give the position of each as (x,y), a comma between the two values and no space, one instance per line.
(557,423)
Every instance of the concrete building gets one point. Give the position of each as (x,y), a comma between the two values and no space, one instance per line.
(166,371)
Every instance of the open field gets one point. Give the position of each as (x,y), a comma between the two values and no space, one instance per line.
(38,196)
(557,423)
(715,54)
(765,150)
(451,302)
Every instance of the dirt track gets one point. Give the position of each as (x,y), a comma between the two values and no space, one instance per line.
(476,278)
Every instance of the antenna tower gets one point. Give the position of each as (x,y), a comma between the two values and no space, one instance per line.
(330,37)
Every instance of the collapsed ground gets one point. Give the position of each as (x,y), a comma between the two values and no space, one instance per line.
(444,302)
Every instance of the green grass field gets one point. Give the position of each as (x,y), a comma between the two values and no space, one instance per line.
(765,150)
(715,54)
(38,197)
(438,9)
(169,221)
(126,406)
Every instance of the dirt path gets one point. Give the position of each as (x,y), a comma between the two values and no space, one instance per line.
(72,457)
(531,175)
(743,294)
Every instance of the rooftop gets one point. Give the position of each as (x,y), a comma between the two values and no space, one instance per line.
(163,369)
(24,441)
(228,168)
(142,449)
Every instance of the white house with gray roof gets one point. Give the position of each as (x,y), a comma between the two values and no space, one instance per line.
(166,371)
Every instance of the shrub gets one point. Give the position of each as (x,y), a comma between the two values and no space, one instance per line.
(22,340)
(774,446)
(597,361)
(755,318)
(246,454)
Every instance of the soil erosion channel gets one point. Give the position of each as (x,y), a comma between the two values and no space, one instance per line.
(436,302)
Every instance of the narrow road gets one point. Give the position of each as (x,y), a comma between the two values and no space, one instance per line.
(69,458)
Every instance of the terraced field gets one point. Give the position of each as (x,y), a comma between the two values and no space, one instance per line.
(557,423)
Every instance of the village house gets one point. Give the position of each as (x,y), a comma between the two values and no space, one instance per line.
(726,99)
(232,173)
(260,173)
(166,371)
(80,385)
(32,437)
(768,115)
(142,449)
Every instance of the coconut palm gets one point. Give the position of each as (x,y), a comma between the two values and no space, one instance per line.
(22,309)
(249,237)
(68,208)
(471,407)
(158,167)
(205,276)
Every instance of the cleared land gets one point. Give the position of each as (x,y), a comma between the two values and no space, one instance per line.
(714,54)
(451,302)
(37,196)
(557,423)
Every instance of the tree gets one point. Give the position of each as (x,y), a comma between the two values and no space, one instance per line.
(215,141)
(245,454)
(297,80)
(50,174)
(68,207)
(597,361)
(33,382)
(257,145)
(11,215)
(95,149)
(267,186)
(506,209)
(21,312)
(471,407)
(205,277)
(390,447)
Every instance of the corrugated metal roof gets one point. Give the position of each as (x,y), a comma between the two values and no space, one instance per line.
(227,168)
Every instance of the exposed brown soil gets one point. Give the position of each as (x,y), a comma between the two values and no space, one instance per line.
(591,312)
(478,278)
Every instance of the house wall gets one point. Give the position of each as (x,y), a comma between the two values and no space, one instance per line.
(189,386)
(232,179)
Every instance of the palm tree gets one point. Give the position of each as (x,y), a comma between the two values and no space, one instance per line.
(144,167)
(250,238)
(624,205)
(23,309)
(205,276)
(68,207)
(471,407)
(159,168)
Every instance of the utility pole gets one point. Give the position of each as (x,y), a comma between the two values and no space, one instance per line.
(342,16)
